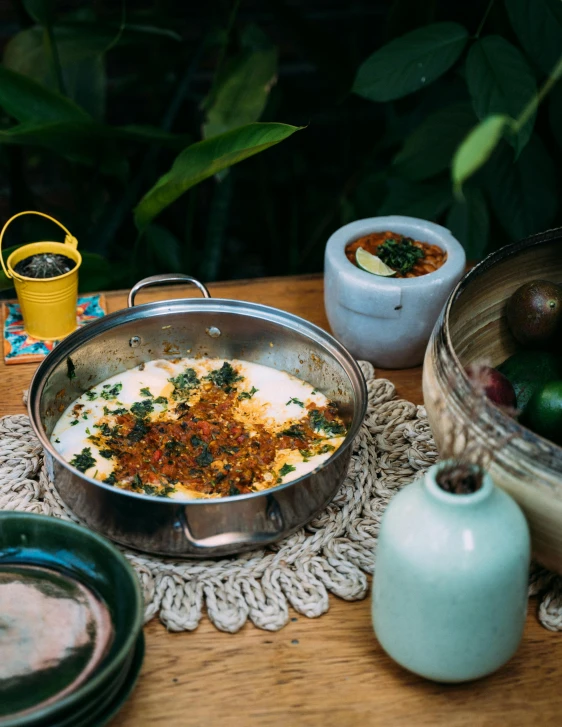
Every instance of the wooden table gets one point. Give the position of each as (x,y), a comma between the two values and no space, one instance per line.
(328,671)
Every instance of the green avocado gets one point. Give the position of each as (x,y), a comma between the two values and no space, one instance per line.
(528,371)
(543,414)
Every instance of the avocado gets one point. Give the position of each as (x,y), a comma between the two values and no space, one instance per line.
(544,412)
(534,313)
(528,370)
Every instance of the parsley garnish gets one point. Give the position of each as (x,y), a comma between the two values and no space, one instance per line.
(184,382)
(146,392)
(111,392)
(84,460)
(91,395)
(286,469)
(160,400)
(107,453)
(400,255)
(196,441)
(233,491)
(248,394)
(142,409)
(205,458)
(74,422)
(138,431)
(298,402)
(326,448)
(306,454)
(224,377)
(110,479)
(293,431)
(318,421)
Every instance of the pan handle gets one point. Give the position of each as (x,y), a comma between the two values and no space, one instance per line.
(231,538)
(165,279)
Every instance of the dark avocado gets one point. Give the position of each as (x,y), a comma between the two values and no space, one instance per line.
(534,313)
(528,371)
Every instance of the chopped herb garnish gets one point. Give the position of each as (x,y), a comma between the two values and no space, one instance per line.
(70,369)
(286,469)
(137,480)
(224,377)
(197,441)
(84,460)
(138,432)
(84,416)
(74,422)
(298,402)
(91,395)
(110,479)
(306,454)
(146,392)
(107,453)
(400,255)
(111,392)
(105,410)
(293,431)
(248,394)
(319,422)
(233,491)
(160,400)
(120,410)
(314,391)
(142,408)
(205,458)
(149,489)
(184,382)
(57,441)
(326,448)
(88,430)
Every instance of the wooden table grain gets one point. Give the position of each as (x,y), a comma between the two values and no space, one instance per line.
(328,671)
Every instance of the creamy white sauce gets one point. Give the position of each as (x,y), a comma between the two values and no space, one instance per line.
(275,404)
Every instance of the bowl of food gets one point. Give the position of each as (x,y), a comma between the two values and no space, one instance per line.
(197,427)
(487,322)
(386,281)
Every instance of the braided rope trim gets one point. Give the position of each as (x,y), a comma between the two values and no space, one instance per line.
(332,554)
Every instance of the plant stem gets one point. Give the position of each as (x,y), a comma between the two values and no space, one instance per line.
(223,51)
(54,59)
(486,13)
(533,104)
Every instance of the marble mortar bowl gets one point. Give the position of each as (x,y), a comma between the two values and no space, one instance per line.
(387,321)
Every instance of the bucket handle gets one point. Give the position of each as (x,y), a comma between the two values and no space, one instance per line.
(68,240)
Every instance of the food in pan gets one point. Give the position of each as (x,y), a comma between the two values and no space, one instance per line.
(199,428)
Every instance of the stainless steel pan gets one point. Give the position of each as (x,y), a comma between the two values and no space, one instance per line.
(206,327)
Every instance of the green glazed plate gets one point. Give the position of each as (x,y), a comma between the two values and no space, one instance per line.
(70,615)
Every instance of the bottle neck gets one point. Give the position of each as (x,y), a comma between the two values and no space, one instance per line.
(451,499)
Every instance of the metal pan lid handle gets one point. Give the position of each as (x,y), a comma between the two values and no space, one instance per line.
(165,279)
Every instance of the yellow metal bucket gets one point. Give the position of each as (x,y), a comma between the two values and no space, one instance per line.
(48,305)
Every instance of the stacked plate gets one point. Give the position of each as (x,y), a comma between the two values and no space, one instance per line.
(71,614)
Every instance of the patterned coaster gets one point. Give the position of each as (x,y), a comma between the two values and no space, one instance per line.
(21,348)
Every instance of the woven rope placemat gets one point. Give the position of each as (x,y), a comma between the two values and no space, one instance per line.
(333,554)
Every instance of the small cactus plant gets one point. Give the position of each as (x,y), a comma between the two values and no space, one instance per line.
(44,265)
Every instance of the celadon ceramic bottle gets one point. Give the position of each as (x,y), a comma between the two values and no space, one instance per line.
(451,577)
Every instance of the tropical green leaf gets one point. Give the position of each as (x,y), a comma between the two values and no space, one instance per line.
(538,25)
(26,100)
(411,62)
(523,194)
(477,147)
(206,158)
(427,200)
(41,11)
(500,82)
(242,92)
(469,221)
(5,282)
(96,273)
(164,248)
(430,148)
(555,113)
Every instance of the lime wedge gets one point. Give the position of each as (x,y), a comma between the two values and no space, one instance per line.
(372,263)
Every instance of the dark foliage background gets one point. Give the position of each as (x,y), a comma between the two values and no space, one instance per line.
(168,65)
